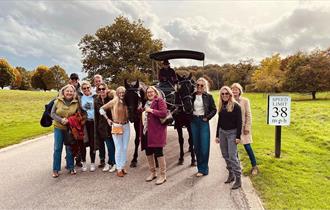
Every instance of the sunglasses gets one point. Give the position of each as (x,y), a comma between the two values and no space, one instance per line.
(100,89)
(86,88)
(200,85)
(225,94)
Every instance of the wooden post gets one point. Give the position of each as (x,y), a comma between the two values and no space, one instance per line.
(278,141)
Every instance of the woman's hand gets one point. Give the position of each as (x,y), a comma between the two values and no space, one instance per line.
(64,121)
(246,132)
(204,119)
(109,121)
(149,110)
(237,141)
(217,140)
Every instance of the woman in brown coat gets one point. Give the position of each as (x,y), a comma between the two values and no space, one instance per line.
(246,136)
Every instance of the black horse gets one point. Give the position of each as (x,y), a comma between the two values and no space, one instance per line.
(181,108)
(135,100)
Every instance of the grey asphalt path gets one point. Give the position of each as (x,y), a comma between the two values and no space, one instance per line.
(26,182)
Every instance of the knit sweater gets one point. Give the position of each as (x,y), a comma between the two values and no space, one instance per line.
(230,120)
(63,109)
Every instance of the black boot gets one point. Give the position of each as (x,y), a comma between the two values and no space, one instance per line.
(230,178)
(237,183)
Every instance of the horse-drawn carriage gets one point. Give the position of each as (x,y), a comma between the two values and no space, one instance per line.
(177,94)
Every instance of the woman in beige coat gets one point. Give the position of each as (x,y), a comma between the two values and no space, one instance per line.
(246,136)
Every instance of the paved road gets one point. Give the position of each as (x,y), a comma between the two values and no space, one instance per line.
(26,182)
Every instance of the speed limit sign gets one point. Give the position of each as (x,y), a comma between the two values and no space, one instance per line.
(279,108)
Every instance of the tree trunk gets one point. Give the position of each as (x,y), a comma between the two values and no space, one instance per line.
(314,95)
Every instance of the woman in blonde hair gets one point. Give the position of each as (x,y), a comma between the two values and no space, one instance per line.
(120,128)
(246,135)
(228,134)
(64,106)
(204,110)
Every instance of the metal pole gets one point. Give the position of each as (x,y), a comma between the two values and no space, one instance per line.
(278,141)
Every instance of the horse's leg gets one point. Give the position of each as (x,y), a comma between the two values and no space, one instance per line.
(181,142)
(137,142)
(191,147)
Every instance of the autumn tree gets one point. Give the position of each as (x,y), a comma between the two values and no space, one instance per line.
(6,73)
(17,79)
(26,78)
(307,73)
(38,80)
(269,77)
(122,46)
(56,77)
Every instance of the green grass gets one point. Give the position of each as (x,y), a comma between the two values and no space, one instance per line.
(20,113)
(301,177)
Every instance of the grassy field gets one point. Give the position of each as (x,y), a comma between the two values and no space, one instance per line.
(20,113)
(300,179)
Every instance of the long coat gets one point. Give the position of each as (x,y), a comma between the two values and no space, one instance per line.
(157,132)
(246,120)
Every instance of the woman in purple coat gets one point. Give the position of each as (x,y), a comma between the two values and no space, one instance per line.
(154,134)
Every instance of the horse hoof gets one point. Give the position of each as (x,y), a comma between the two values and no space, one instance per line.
(133,164)
(180,162)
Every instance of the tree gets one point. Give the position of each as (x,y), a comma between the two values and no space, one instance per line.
(269,77)
(241,73)
(17,79)
(56,77)
(307,73)
(38,80)
(122,46)
(6,75)
(26,78)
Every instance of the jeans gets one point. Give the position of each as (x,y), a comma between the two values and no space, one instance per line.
(249,151)
(111,151)
(121,143)
(57,155)
(228,149)
(201,140)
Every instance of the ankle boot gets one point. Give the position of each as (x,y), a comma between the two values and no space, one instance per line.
(230,178)
(152,168)
(162,169)
(237,183)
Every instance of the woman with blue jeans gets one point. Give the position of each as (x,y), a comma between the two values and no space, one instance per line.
(204,110)
(64,106)
(246,136)
(228,134)
(102,128)
(120,128)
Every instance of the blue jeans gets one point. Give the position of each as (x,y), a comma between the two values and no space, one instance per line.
(111,151)
(201,139)
(249,151)
(121,143)
(57,155)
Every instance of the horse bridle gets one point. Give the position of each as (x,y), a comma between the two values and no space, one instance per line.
(137,92)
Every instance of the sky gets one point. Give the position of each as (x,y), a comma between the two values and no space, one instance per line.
(48,32)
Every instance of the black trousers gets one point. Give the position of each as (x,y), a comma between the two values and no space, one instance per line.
(82,146)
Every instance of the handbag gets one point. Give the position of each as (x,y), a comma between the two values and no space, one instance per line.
(117,129)
(168,119)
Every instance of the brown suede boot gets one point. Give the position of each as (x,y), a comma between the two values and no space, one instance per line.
(162,169)
(152,168)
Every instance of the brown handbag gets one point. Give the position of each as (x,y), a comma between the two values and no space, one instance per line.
(117,129)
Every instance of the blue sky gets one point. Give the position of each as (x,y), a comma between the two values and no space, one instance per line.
(47,32)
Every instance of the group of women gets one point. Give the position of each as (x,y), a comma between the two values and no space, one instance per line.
(107,124)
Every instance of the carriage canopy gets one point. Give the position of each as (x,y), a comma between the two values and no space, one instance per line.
(177,54)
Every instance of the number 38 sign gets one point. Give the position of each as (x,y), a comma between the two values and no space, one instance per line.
(279,108)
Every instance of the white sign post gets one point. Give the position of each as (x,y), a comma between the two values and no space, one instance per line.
(278,114)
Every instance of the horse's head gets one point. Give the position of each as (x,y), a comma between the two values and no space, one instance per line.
(185,90)
(134,97)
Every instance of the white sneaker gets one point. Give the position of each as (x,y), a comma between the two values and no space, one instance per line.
(113,168)
(106,167)
(84,166)
(92,169)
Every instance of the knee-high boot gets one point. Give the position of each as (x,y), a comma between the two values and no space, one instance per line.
(162,169)
(152,168)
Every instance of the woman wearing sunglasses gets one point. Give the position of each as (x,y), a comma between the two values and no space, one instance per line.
(204,110)
(228,134)
(87,104)
(102,128)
